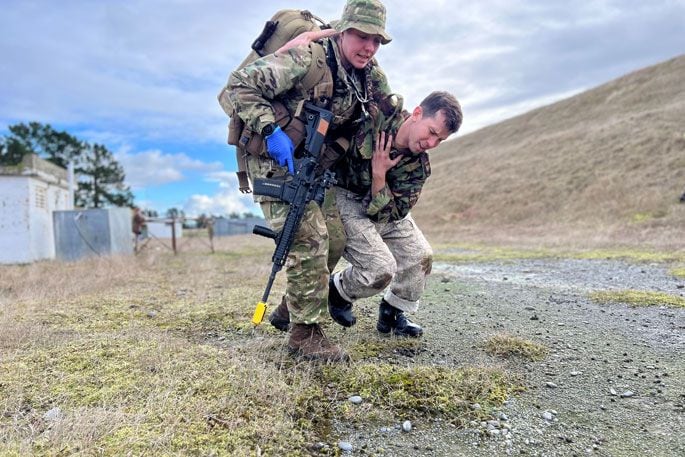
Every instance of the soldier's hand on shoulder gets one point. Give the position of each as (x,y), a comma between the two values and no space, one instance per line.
(304,38)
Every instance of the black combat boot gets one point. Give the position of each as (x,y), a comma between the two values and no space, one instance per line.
(339,308)
(280,317)
(392,319)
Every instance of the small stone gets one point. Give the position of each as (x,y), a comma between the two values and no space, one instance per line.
(356,399)
(503,417)
(345,446)
(547,416)
(476,407)
(551,385)
(53,415)
(406,426)
(612,391)
(627,394)
(576,373)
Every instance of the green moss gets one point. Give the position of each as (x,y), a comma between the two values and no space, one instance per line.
(678,272)
(478,253)
(422,390)
(633,255)
(508,346)
(374,347)
(643,217)
(470,253)
(174,396)
(639,298)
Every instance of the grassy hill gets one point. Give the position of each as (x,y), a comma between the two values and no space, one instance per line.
(604,167)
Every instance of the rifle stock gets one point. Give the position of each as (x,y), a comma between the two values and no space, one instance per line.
(308,184)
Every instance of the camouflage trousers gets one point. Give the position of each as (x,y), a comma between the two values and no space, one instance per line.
(394,254)
(317,247)
(312,256)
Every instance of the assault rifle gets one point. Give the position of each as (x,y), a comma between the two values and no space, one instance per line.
(309,183)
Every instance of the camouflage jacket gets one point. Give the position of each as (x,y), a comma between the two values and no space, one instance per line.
(278,77)
(404,181)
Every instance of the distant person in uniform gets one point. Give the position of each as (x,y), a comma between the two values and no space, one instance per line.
(138,224)
(682,198)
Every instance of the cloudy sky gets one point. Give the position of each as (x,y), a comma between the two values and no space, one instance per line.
(141,77)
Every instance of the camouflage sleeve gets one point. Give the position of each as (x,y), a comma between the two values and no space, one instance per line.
(251,88)
(402,191)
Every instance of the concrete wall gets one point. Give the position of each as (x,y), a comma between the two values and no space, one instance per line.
(29,193)
(14,220)
(92,232)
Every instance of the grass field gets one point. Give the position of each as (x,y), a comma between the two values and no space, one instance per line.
(155,355)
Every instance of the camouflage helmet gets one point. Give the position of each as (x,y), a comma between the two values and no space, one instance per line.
(367,16)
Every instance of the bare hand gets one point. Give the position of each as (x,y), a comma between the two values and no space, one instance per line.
(305,38)
(381,161)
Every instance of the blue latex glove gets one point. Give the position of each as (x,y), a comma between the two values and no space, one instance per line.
(280,148)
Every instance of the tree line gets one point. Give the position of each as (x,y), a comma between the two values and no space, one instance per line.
(99,177)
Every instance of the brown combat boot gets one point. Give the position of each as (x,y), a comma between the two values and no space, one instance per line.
(280,317)
(309,342)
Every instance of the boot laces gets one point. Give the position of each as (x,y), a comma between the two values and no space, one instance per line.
(318,331)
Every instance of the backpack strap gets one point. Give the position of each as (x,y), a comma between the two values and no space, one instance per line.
(318,81)
(243,181)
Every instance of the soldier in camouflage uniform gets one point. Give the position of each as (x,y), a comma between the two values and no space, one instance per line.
(376,192)
(252,91)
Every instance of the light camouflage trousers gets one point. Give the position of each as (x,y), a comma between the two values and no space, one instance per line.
(394,254)
(315,251)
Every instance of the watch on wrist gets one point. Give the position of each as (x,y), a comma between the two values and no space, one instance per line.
(268,130)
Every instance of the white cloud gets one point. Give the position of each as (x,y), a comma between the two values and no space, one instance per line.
(228,200)
(153,167)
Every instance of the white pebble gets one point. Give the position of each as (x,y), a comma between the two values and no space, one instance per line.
(53,415)
(345,446)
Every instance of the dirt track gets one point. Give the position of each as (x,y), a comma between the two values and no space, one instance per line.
(612,385)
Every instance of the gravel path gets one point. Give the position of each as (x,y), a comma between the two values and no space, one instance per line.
(612,385)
